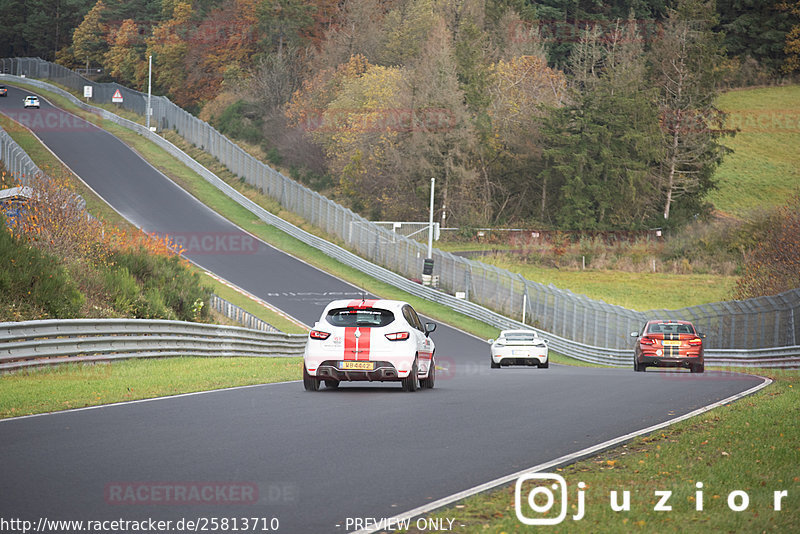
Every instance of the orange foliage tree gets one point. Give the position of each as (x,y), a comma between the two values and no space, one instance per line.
(774,265)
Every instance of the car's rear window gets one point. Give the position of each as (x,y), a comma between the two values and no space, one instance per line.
(368,318)
(670,328)
(520,336)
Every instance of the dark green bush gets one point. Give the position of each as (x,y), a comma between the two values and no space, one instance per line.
(168,289)
(33,282)
(240,120)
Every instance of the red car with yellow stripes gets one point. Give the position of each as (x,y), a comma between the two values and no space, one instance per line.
(666,343)
(369,340)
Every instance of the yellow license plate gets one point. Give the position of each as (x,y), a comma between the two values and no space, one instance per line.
(360,366)
(672,343)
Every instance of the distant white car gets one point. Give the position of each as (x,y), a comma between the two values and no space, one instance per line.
(519,347)
(31,102)
(369,340)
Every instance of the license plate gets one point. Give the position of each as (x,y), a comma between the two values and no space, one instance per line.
(519,352)
(359,366)
(672,343)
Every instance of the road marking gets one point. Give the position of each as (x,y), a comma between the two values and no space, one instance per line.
(140,401)
(563,460)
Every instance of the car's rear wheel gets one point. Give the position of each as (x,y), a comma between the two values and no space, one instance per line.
(494,365)
(430,380)
(545,365)
(697,368)
(409,383)
(332,384)
(311,383)
(638,367)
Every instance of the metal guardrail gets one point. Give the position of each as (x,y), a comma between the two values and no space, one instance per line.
(16,160)
(57,341)
(574,349)
(235,313)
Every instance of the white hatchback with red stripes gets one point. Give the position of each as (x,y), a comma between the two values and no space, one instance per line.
(369,340)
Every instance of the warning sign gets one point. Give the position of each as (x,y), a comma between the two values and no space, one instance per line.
(117,98)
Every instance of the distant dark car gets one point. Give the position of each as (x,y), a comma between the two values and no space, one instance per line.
(3,90)
(668,344)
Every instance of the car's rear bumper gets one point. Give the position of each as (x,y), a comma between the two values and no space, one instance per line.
(520,361)
(660,361)
(383,372)
(533,356)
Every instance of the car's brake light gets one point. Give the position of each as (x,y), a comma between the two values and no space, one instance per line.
(397,336)
(318,334)
(647,341)
(696,342)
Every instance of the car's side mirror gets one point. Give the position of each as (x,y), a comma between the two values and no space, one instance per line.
(429,327)
(490,341)
(634,334)
(701,335)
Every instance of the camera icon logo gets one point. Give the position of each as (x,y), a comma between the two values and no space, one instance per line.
(540,498)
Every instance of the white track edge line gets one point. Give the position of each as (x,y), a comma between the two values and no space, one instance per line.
(141,401)
(566,459)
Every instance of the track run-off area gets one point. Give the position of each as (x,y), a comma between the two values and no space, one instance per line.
(291,460)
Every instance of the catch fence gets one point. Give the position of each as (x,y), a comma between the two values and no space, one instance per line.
(763,322)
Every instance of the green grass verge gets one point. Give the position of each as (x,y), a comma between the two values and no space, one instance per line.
(75,386)
(764,169)
(633,290)
(752,445)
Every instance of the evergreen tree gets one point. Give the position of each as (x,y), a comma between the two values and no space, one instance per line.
(684,69)
(755,28)
(89,40)
(600,149)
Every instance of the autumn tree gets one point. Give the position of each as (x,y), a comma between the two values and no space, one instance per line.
(220,46)
(285,23)
(125,59)
(684,70)
(89,41)
(774,265)
(357,30)
(169,44)
(521,90)
(792,44)
(407,27)
(442,142)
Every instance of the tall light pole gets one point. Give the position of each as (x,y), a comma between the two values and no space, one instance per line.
(430,222)
(427,265)
(149,89)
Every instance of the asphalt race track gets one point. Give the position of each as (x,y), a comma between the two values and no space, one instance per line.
(311,460)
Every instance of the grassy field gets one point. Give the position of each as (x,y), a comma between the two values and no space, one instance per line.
(75,386)
(634,290)
(764,168)
(752,445)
